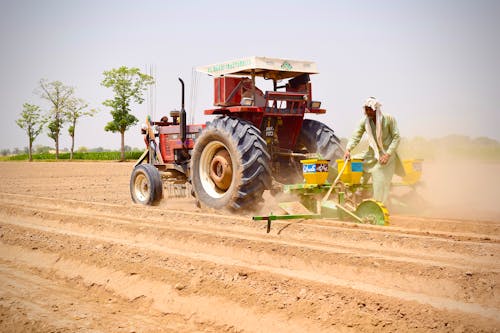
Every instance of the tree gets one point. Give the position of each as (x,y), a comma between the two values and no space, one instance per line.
(32,122)
(128,84)
(59,96)
(75,110)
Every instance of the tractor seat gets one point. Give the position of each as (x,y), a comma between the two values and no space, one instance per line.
(247,98)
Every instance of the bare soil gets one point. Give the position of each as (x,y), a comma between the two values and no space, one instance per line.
(76,255)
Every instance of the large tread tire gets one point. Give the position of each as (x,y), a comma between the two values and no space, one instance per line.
(145,185)
(316,137)
(248,171)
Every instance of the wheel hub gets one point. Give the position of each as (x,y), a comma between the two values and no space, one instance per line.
(221,171)
(141,187)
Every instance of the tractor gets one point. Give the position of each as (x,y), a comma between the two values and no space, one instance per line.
(255,140)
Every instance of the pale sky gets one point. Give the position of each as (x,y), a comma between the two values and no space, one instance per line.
(435,65)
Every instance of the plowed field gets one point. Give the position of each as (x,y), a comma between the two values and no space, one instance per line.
(76,255)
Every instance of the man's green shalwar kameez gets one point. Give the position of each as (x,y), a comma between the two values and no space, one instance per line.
(381,173)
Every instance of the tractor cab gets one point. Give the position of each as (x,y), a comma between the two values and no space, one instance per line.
(235,89)
(279,113)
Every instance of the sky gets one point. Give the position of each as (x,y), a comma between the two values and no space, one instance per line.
(434,65)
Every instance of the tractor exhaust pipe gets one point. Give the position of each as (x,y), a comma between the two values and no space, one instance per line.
(183,116)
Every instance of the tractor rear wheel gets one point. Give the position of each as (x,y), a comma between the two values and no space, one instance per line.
(316,137)
(145,185)
(230,165)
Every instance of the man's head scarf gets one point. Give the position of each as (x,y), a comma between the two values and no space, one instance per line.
(375,142)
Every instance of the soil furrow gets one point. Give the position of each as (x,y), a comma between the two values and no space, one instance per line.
(357,237)
(484,255)
(423,282)
(76,255)
(455,229)
(115,266)
(68,304)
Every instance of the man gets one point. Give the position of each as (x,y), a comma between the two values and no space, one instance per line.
(381,160)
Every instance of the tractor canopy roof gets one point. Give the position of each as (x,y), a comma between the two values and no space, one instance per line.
(268,68)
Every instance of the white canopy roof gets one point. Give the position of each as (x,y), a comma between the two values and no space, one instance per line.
(269,68)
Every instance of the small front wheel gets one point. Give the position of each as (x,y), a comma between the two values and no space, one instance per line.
(145,185)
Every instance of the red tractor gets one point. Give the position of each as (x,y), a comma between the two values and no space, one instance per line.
(255,139)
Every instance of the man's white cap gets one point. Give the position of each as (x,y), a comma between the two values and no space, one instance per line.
(372,103)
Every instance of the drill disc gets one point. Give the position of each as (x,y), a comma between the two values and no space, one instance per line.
(373,212)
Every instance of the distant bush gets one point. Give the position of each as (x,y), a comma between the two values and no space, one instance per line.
(88,156)
(39,149)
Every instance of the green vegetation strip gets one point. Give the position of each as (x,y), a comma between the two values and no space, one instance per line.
(90,156)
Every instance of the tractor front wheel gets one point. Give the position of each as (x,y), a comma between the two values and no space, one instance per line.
(230,165)
(145,185)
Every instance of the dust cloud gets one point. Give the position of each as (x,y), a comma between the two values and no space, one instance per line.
(457,189)
(270,203)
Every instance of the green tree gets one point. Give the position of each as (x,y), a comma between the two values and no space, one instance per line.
(75,110)
(128,84)
(59,96)
(32,122)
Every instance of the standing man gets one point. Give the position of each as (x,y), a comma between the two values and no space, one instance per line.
(381,160)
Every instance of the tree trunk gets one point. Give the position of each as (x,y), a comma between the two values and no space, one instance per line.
(30,154)
(72,141)
(72,146)
(58,127)
(57,146)
(122,158)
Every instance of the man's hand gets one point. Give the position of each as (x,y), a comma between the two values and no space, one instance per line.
(347,155)
(384,159)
